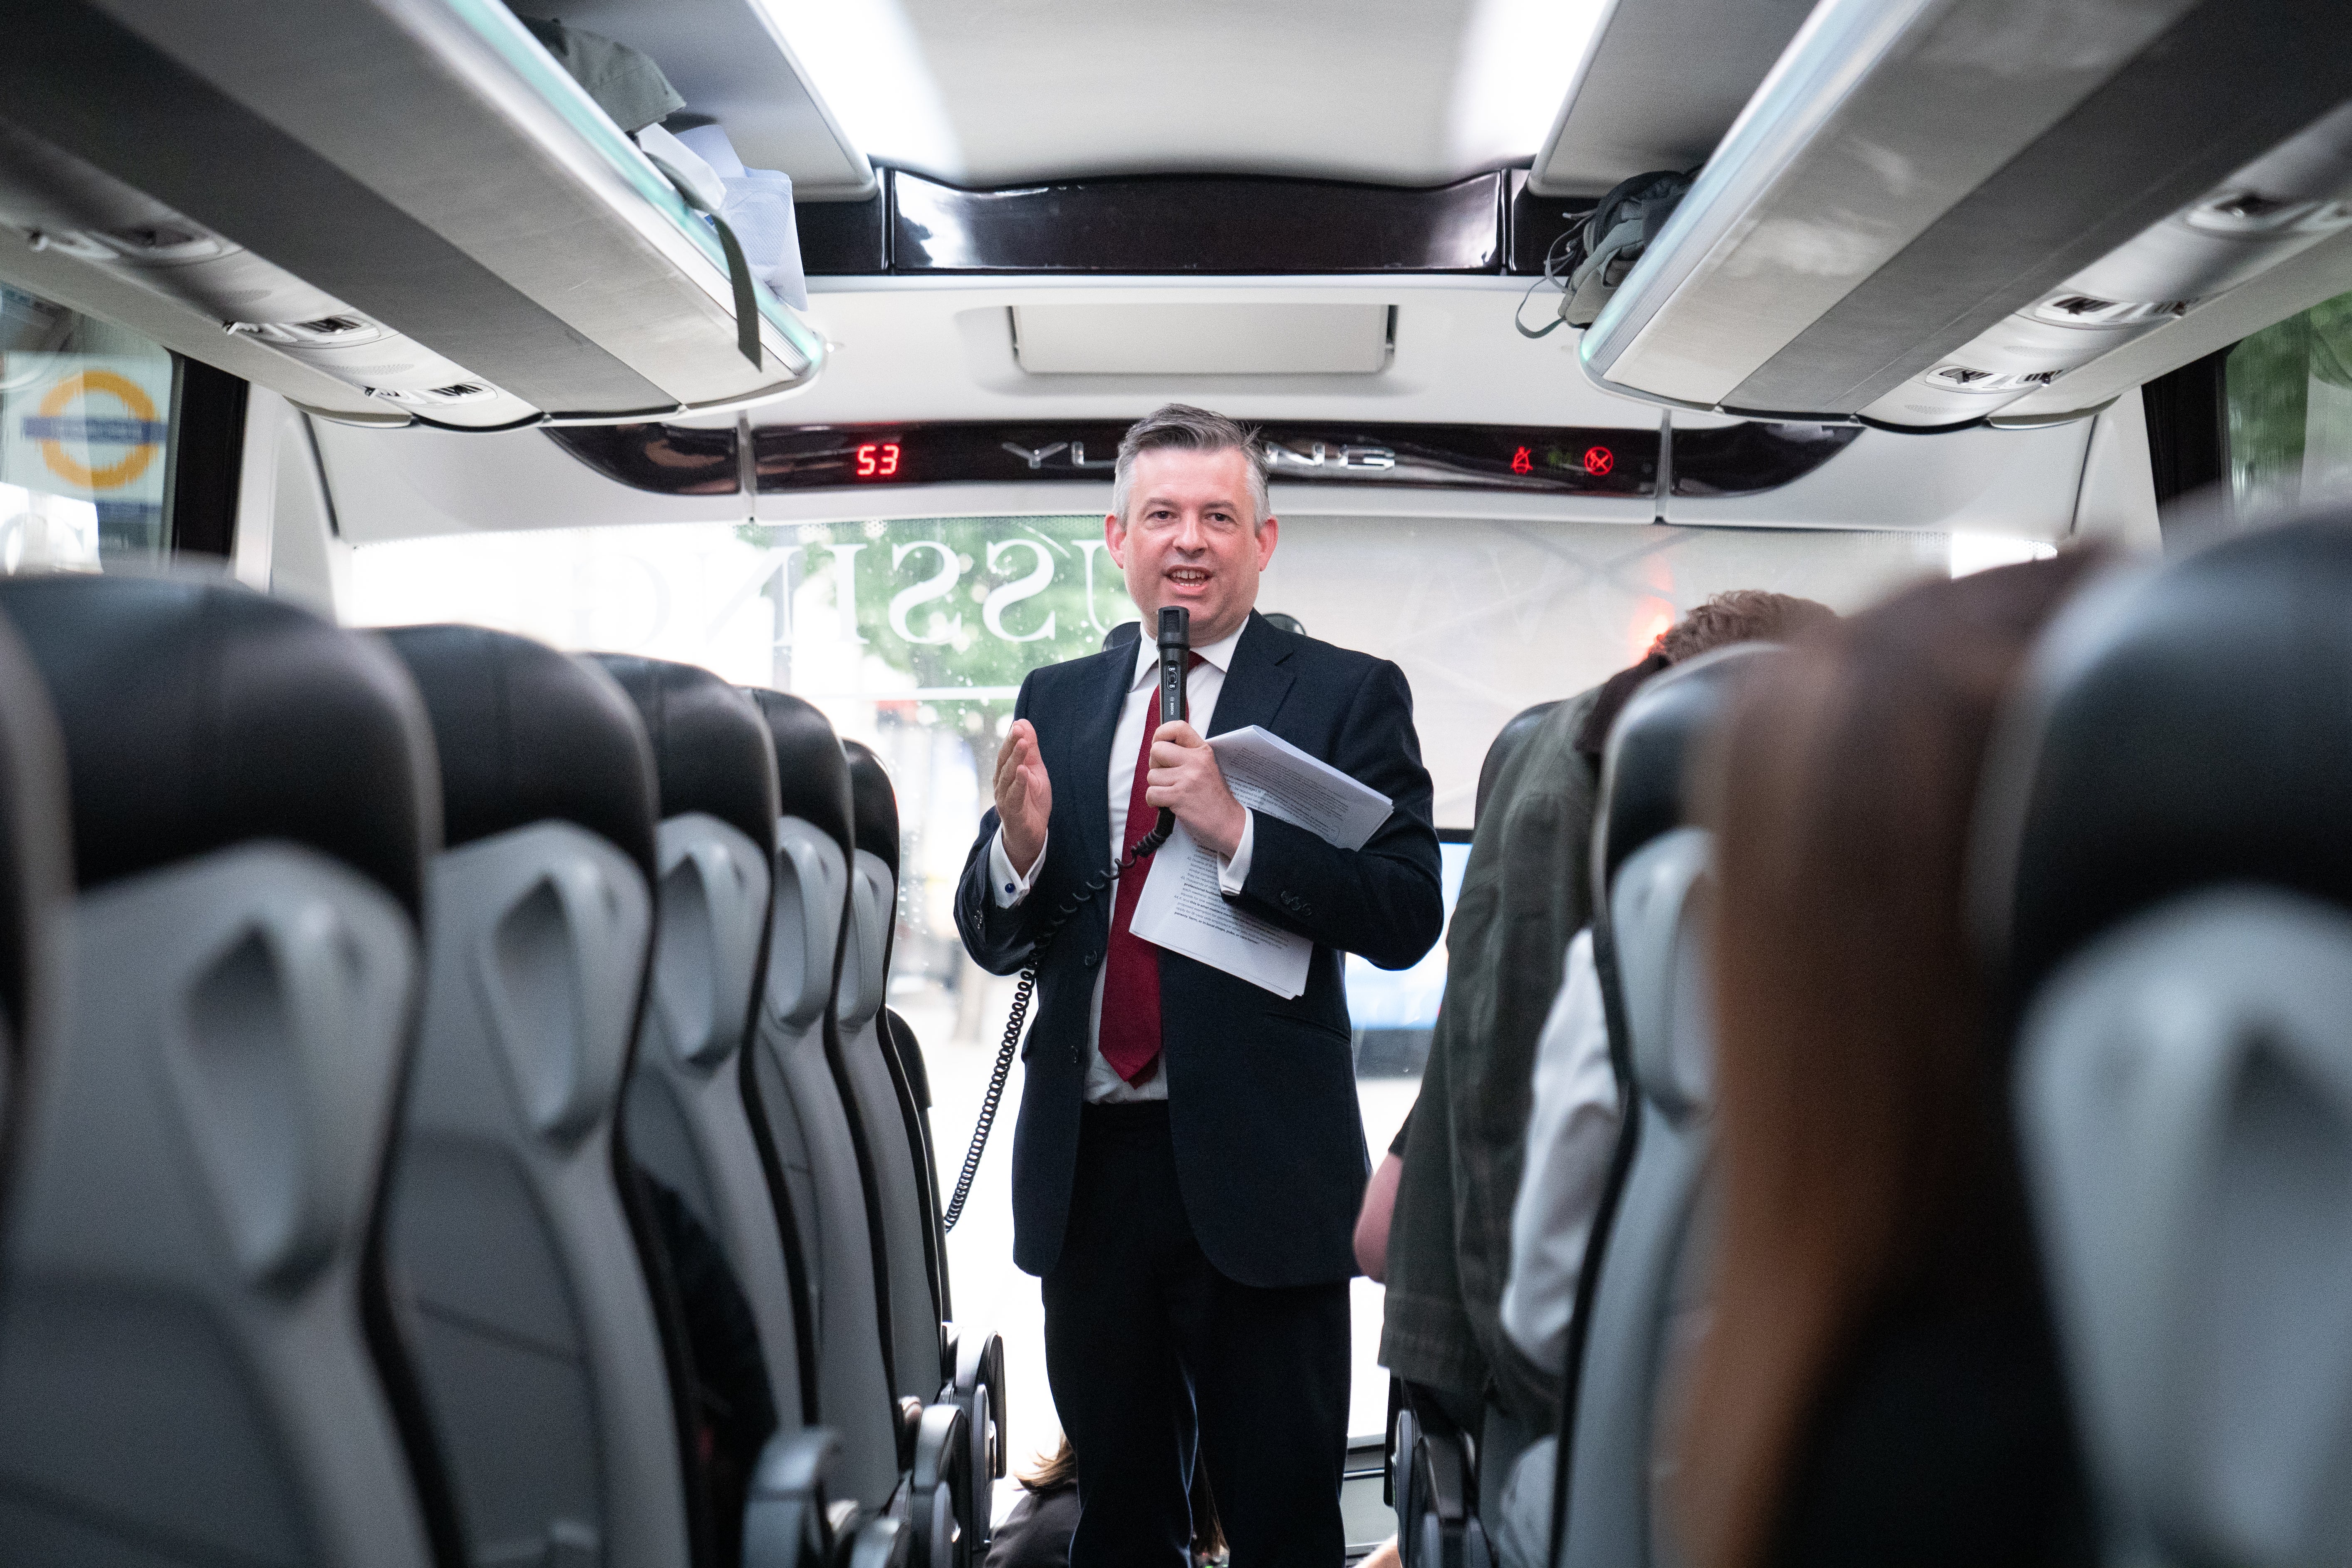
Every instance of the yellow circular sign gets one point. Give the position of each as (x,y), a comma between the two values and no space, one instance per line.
(135,403)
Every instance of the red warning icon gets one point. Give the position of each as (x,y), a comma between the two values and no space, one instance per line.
(1522,461)
(1599,460)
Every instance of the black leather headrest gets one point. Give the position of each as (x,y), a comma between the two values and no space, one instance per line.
(527,734)
(2193,728)
(1642,771)
(874,803)
(811,772)
(1512,736)
(711,750)
(199,715)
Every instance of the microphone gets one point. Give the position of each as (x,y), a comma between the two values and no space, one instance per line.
(1175,643)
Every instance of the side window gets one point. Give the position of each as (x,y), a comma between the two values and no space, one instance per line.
(85,439)
(2289,392)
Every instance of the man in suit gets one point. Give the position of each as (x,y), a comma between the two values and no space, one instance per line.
(1190,1156)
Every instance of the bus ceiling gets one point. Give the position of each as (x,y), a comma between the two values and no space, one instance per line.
(1923,215)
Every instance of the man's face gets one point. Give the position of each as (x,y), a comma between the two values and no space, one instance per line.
(1188,539)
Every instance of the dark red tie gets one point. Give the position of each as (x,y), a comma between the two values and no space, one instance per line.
(1130,1009)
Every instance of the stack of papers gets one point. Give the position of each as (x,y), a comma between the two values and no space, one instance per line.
(1181,907)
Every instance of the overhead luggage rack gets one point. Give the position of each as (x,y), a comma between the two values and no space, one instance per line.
(413,198)
(1932,215)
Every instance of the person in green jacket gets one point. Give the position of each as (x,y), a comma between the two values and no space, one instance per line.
(1526,892)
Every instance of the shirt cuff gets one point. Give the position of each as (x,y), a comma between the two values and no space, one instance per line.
(1005,885)
(1232,873)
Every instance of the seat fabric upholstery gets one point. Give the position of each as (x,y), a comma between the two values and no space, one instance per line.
(684,1110)
(2165,882)
(549,1379)
(195,1366)
(805,1092)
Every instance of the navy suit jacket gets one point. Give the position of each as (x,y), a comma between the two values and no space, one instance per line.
(1261,1089)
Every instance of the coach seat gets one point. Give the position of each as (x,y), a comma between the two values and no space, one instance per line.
(2168,884)
(544,1361)
(193,1358)
(684,1110)
(885,1103)
(1647,1264)
(804,1091)
(967,1370)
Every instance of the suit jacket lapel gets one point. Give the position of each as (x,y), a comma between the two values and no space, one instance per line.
(1256,683)
(1087,763)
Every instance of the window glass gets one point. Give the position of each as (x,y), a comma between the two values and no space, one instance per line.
(2290,412)
(913,634)
(85,439)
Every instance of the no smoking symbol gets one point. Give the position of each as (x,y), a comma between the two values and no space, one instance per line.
(1599,460)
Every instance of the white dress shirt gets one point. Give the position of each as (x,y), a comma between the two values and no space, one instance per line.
(1571,1135)
(1202,688)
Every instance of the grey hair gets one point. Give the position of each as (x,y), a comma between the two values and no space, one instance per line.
(1179,428)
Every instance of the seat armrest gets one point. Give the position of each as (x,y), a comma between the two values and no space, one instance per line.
(979,1363)
(785,1522)
(934,1487)
(1437,1518)
(976,1387)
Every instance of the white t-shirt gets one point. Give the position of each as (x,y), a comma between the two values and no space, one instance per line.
(1571,1135)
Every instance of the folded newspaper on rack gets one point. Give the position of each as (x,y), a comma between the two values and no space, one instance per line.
(1181,907)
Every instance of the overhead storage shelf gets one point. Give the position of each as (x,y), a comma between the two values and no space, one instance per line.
(1932,210)
(408,198)
(729,60)
(1645,99)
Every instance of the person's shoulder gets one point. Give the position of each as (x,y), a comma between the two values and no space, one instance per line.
(1315,659)
(1055,677)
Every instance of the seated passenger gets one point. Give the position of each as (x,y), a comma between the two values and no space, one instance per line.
(1525,891)
(1878,1382)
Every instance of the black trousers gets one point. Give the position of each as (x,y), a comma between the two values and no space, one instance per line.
(1148,1346)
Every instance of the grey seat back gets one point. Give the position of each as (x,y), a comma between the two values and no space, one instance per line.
(187,1370)
(1643,1294)
(807,1102)
(686,1120)
(885,1099)
(2168,882)
(36,885)
(1637,1291)
(528,1305)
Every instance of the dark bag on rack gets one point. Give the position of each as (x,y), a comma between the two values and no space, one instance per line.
(1613,236)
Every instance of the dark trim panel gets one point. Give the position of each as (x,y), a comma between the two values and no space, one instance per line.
(1538,223)
(1231,225)
(1186,225)
(2189,429)
(200,489)
(1595,460)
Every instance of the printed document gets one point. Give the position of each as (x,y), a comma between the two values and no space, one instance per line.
(1181,907)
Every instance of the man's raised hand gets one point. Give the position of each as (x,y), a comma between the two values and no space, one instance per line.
(1024,795)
